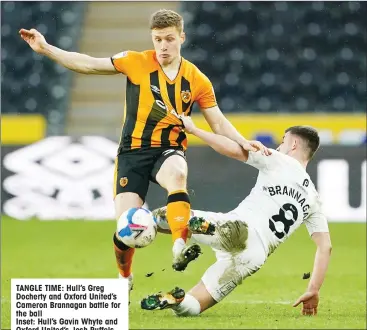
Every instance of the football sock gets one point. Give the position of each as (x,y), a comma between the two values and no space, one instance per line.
(178,245)
(124,257)
(188,307)
(130,280)
(178,214)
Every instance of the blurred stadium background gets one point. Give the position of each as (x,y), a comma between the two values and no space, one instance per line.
(273,65)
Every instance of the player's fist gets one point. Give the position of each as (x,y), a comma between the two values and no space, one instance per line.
(188,123)
(34,39)
(310,301)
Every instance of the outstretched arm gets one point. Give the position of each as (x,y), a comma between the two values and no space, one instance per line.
(74,61)
(221,144)
(222,126)
(310,298)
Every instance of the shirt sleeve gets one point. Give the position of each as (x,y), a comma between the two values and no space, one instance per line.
(261,162)
(206,95)
(317,221)
(126,61)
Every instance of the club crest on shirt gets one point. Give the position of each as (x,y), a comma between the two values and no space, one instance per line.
(124,181)
(186,96)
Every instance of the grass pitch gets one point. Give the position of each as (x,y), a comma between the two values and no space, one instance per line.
(83,249)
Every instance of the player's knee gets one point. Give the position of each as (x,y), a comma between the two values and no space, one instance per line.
(176,179)
(173,173)
(179,175)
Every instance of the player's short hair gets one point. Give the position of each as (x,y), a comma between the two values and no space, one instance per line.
(309,135)
(164,18)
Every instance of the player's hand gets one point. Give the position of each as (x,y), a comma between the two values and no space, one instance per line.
(310,302)
(256,146)
(188,123)
(34,39)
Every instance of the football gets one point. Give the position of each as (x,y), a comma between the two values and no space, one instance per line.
(137,227)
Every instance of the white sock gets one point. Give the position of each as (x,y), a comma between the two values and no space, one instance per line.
(188,307)
(130,280)
(178,246)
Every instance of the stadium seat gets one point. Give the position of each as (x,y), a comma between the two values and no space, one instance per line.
(30,78)
(320,66)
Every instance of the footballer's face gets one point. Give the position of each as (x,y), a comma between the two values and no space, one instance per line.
(288,144)
(167,44)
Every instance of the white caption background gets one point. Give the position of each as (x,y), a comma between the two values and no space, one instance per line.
(98,304)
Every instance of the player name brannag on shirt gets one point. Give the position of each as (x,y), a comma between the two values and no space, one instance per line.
(282,199)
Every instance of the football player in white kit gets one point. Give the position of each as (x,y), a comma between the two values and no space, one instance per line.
(282,199)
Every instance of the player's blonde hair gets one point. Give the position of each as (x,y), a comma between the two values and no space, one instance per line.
(164,18)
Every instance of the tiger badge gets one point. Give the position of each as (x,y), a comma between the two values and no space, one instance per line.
(124,181)
(186,96)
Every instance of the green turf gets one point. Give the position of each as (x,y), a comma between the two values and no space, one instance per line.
(67,249)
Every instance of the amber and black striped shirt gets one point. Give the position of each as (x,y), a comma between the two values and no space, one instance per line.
(152,100)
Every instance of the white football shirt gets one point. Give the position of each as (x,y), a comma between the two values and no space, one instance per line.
(282,199)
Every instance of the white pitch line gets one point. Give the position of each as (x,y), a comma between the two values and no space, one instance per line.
(258,302)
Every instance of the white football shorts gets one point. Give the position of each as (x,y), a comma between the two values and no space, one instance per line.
(239,252)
